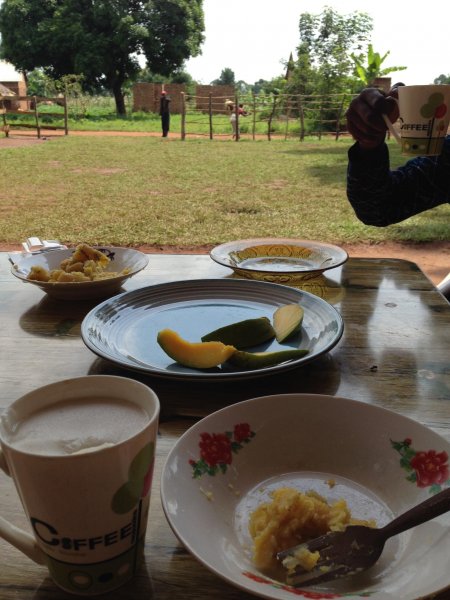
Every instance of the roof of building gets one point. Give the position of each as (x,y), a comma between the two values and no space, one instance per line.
(4,91)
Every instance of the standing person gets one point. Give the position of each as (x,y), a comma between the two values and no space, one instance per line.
(164,111)
(242,111)
(381,196)
(233,119)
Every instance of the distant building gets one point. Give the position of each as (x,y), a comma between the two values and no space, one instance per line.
(14,82)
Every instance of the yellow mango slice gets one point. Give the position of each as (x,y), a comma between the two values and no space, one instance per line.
(197,355)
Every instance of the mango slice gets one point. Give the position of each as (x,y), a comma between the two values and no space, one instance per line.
(197,355)
(287,321)
(257,360)
(243,334)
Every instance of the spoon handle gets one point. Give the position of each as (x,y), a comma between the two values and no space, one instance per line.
(391,128)
(425,511)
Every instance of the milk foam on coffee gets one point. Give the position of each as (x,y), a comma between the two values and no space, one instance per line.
(78,426)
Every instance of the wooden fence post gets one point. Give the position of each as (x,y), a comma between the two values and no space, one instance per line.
(288,112)
(269,122)
(3,113)
(183,116)
(210,116)
(254,116)
(339,115)
(36,116)
(236,110)
(320,117)
(66,117)
(302,117)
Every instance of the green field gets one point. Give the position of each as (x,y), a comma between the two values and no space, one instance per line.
(146,190)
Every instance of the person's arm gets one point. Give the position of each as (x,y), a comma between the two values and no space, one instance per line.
(381,197)
(378,195)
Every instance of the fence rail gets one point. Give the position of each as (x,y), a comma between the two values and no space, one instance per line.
(13,105)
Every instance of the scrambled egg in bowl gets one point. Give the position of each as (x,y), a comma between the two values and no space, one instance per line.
(80,273)
(85,264)
(291,518)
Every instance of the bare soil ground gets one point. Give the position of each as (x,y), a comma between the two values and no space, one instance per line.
(433,258)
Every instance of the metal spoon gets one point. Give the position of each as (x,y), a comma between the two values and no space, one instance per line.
(358,547)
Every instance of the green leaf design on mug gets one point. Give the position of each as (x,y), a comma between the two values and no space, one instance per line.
(428,110)
(128,495)
(141,462)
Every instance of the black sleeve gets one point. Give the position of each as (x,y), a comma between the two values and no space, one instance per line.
(381,197)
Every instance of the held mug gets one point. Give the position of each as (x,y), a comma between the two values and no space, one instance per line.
(81,454)
(424,118)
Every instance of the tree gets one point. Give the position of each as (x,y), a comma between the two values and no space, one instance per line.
(100,39)
(442,79)
(226,78)
(259,86)
(368,72)
(178,76)
(40,84)
(324,63)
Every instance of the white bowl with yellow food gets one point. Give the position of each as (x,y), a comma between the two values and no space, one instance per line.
(266,474)
(80,273)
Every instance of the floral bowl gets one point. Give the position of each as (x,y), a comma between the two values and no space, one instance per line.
(380,462)
(125,262)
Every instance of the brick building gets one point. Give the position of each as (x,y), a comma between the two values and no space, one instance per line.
(146,96)
(15,82)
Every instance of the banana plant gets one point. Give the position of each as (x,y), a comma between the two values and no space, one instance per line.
(372,69)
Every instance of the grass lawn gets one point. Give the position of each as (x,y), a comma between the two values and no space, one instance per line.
(144,190)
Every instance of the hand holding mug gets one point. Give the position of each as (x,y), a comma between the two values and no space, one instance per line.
(365,119)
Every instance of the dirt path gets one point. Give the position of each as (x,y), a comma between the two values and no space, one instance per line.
(433,258)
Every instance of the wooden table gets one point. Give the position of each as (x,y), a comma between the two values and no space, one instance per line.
(394,353)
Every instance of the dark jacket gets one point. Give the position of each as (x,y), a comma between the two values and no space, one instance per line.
(164,105)
(381,197)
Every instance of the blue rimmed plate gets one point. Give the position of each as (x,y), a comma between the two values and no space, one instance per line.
(124,329)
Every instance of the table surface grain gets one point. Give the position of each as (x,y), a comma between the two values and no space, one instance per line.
(394,353)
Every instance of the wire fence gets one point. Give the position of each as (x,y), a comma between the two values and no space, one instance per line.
(282,115)
(262,116)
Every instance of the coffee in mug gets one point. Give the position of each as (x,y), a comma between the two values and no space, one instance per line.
(81,454)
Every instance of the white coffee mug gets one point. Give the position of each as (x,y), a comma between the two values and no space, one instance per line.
(424,118)
(81,454)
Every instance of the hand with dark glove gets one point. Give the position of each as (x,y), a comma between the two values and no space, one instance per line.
(365,115)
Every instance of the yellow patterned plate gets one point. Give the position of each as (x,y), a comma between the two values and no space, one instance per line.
(278,260)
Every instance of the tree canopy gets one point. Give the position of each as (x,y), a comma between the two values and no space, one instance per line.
(327,41)
(227,77)
(100,39)
(442,79)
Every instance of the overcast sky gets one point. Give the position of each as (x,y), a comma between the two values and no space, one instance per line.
(252,37)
